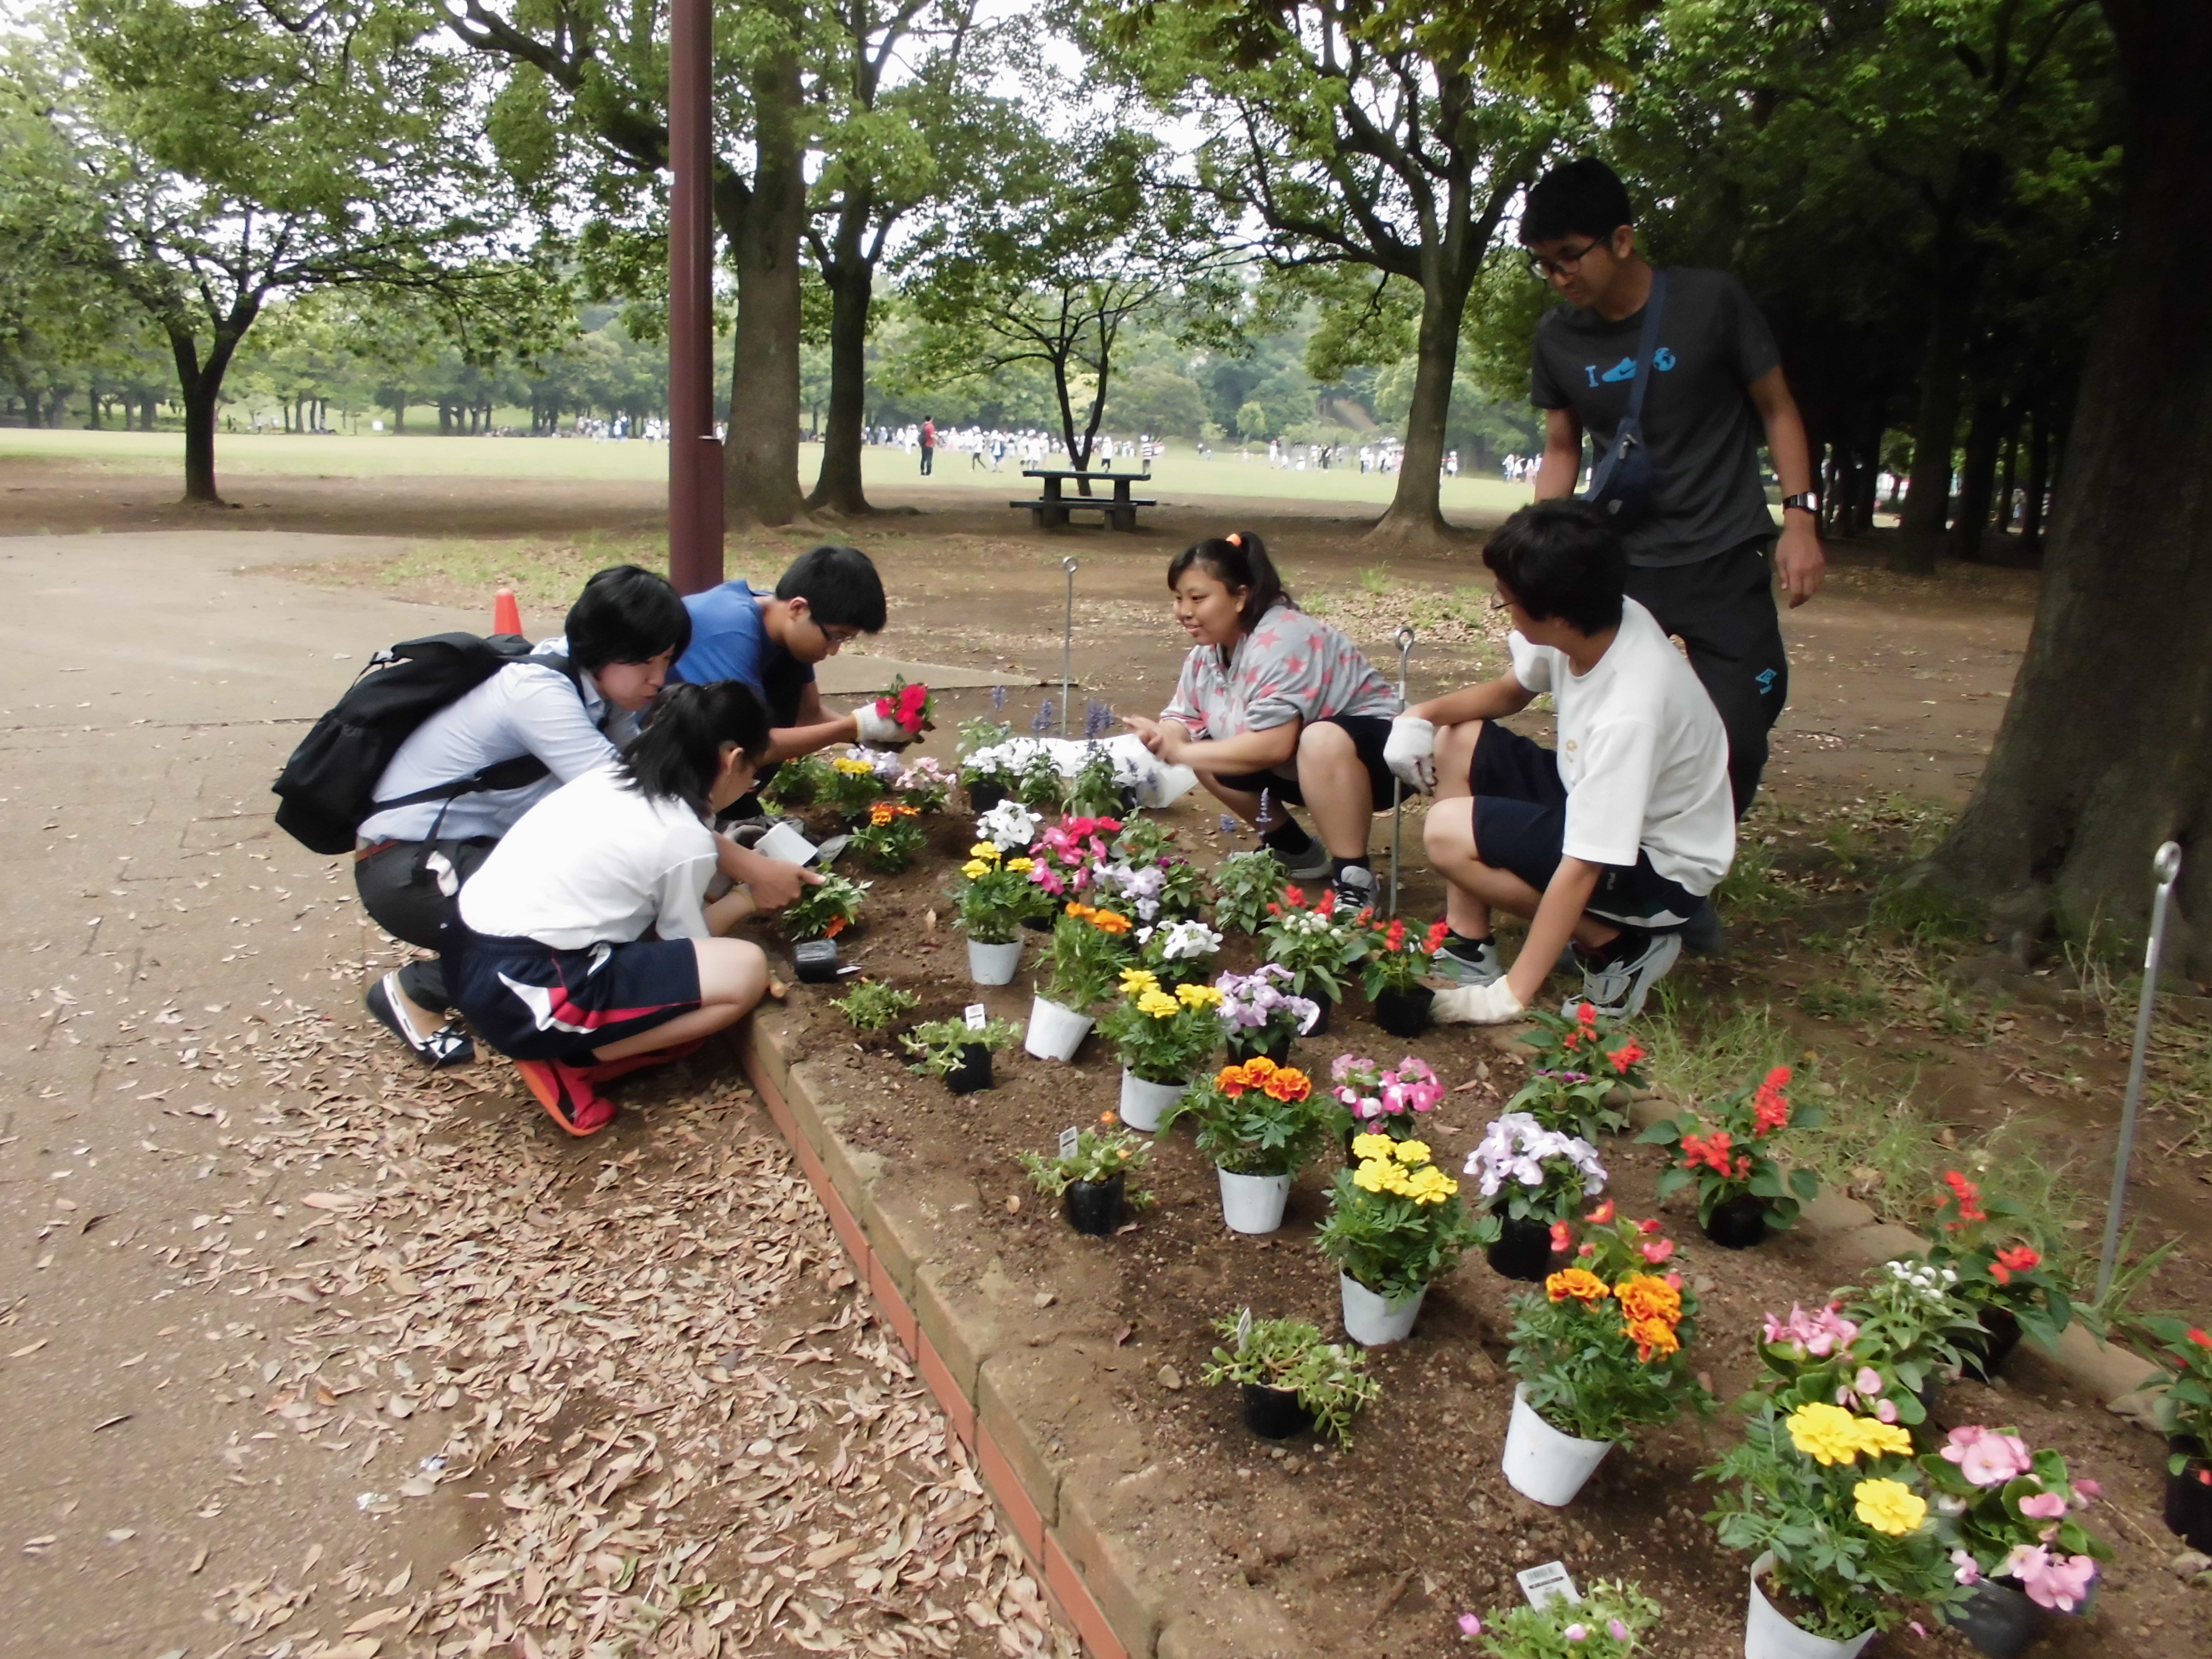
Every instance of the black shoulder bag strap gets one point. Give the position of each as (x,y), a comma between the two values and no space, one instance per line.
(1624,483)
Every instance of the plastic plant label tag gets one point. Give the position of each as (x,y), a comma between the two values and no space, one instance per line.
(787,843)
(1244,1327)
(973,1014)
(1548,1584)
(1070,1138)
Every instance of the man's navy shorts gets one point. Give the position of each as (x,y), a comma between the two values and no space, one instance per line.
(1520,825)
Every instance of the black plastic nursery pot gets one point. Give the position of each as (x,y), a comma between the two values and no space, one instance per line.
(1999,1619)
(2188,1498)
(1038,924)
(973,1073)
(1094,1206)
(1984,1356)
(1277,1049)
(816,960)
(983,796)
(1274,1414)
(1524,1251)
(1737,1225)
(1404,1013)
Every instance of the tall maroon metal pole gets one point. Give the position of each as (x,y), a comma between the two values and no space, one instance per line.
(694,454)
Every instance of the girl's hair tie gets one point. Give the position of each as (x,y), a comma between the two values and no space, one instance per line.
(1235,538)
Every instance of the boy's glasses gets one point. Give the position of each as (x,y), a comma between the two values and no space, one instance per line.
(1560,264)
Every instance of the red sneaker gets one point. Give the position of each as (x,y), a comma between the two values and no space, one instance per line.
(565,1093)
(606,1070)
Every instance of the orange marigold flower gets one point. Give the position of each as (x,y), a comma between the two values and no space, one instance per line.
(1288,1083)
(1653,1336)
(1232,1080)
(1109,1117)
(836,926)
(1108,922)
(1645,1296)
(1578,1283)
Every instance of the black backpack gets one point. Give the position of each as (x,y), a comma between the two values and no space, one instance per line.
(329,785)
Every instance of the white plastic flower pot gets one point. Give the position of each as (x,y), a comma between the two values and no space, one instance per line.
(1542,1463)
(1253,1204)
(1054,1033)
(1143,1102)
(993,964)
(1371,1320)
(1768,1635)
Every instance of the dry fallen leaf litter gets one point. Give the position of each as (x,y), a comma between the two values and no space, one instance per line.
(675,1419)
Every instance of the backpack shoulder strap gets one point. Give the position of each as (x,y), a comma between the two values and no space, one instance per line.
(1647,348)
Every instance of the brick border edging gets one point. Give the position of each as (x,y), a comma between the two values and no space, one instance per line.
(1068,1591)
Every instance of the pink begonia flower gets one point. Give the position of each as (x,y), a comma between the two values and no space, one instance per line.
(2060,1582)
(1917,1628)
(1869,1381)
(1616,1629)
(2043,1506)
(1469,1624)
(1885,1411)
(2088,1491)
(1986,1457)
(1576,1633)
(1967,1569)
(1658,1250)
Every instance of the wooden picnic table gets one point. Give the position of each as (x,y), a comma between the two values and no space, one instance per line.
(1051,509)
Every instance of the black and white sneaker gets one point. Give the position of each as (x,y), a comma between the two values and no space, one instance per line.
(1354,889)
(449,1045)
(1482,968)
(1311,863)
(1617,989)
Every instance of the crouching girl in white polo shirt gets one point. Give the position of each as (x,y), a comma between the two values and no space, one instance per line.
(584,947)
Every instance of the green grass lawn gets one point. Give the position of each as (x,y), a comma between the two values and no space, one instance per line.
(1179,473)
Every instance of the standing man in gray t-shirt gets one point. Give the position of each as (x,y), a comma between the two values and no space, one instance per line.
(1699,558)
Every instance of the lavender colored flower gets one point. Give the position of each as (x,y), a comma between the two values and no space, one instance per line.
(1042,723)
(1229,825)
(1097,717)
(998,699)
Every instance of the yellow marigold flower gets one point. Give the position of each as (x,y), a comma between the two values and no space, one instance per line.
(1880,1439)
(1159,1004)
(1827,1434)
(1136,980)
(1367,1146)
(1653,1336)
(1022,864)
(1199,996)
(1584,1285)
(988,850)
(974,869)
(1646,1295)
(1413,1151)
(1369,1175)
(850,767)
(1889,1506)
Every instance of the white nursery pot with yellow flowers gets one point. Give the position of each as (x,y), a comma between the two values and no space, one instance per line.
(1162,1036)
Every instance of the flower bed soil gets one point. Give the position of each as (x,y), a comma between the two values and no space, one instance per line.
(1377,1547)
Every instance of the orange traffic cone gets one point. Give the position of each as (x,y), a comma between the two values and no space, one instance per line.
(506,614)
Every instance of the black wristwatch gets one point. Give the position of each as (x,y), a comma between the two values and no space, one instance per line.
(1805,501)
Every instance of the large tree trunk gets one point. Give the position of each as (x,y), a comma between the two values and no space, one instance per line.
(851,276)
(2101,756)
(1415,521)
(760,459)
(201,383)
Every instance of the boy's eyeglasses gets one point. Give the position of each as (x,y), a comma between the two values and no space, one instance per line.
(1560,264)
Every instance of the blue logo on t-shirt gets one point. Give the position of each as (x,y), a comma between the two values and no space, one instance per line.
(1663,360)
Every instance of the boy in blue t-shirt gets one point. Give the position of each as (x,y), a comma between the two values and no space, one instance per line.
(771,641)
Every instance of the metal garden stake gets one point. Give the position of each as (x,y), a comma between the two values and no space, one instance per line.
(1397,784)
(1067,644)
(2166,866)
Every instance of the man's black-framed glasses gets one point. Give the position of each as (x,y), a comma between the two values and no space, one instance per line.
(1543,270)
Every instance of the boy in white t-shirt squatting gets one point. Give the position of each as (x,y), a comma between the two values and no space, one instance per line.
(1609,841)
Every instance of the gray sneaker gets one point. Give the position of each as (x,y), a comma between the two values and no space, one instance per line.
(1618,989)
(1354,890)
(1483,967)
(1312,864)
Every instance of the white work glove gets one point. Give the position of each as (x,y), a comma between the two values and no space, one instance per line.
(881,731)
(1411,752)
(1476,1005)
